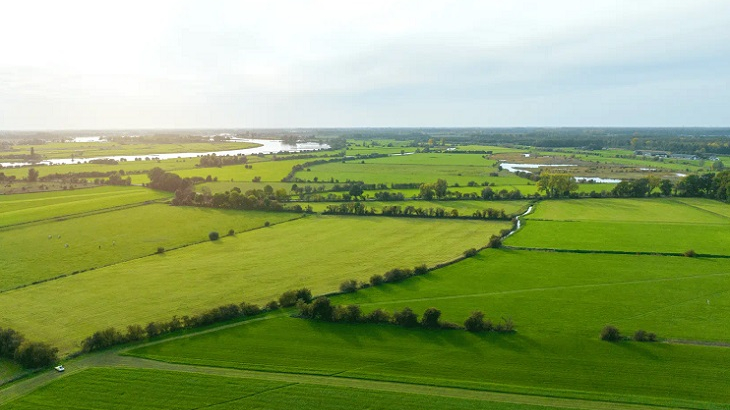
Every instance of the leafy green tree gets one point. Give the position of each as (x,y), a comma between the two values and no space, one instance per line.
(32,175)
(36,354)
(405,318)
(431,318)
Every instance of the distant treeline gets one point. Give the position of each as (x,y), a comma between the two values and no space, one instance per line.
(360,208)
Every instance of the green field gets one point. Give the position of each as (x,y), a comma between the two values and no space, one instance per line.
(22,208)
(635,225)
(559,308)
(108,238)
(144,389)
(257,266)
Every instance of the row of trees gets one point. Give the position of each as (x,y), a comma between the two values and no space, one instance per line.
(611,334)
(322,309)
(31,355)
(213,160)
(359,208)
(709,185)
(261,199)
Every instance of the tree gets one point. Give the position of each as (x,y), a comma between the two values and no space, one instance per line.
(36,354)
(431,318)
(32,175)
(356,190)
(322,309)
(665,187)
(440,188)
(718,165)
(348,286)
(213,236)
(10,341)
(476,323)
(610,334)
(556,185)
(405,318)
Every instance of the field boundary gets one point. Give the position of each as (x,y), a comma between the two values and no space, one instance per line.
(610,252)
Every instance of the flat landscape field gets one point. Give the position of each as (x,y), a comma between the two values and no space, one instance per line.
(107,238)
(256,266)
(23,208)
(628,225)
(558,307)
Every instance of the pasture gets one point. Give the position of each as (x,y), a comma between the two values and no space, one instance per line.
(256,266)
(629,225)
(23,208)
(559,306)
(107,238)
(144,389)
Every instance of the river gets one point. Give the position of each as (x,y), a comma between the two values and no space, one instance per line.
(266,147)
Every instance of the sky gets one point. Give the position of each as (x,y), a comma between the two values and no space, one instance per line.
(286,64)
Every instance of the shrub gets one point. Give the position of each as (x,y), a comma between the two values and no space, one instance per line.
(397,275)
(249,309)
(213,236)
(690,253)
(376,280)
(348,286)
(231,232)
(273,305)
(267,223)
(290,297)
(506,326)
(322,309)
(495,242)
(405,318)
(430,318)
(644,336)
(610,334)
(160,249)
(475,322)
(377,316)
(135,332)
(102,339)
(420,270)
(450,326)
(349,313)
(470,252)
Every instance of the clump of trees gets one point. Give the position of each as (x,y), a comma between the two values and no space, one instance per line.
(611,334)
(214,236)
(322,309)
(167,181)
(213,160)
(360,209)
(30,355)
(556,185)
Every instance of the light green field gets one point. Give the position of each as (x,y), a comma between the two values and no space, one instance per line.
(559,303)
(316,252)
(22,208)
(144,389)
(268,171)
(635,225)
(465,208)
(107,238)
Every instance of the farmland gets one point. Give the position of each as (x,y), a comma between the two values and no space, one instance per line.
(116,256)
(233,269)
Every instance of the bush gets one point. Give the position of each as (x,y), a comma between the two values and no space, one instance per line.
(495,242)
(431,318)
(160,249)
(450,326)
(322,309)
(249,309)
(349,314)
(690,253)
(348,286)
(290,298)
(506,326)
(377,316)
(273,305)
(10,341)
(397,275)
(405,318)
(470,252)
(644,336)
(135,332)
(376,280)
(213,236)
(102,339)
(231,232)
(610,334)
(475,322)
(34,355)
(420,270)
(267,223)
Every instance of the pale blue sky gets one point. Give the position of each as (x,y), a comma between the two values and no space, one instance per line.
(174,64)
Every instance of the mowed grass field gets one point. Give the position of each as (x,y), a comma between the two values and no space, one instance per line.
(559,303)
(22,208)
(257,266)
(144,389)
(112,237)
(82,150)
(633,225)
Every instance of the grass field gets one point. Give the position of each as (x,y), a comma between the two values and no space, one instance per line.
(108,238)
(316,252)
(559,307)
(145,389)
(635,225)
(22,208)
